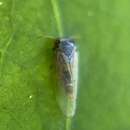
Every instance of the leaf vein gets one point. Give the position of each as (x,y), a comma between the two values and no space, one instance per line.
(57,16)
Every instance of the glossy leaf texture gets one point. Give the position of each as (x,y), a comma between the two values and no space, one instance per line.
(27,74)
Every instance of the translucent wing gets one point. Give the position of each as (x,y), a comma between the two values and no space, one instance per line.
(68,72)
(65,70)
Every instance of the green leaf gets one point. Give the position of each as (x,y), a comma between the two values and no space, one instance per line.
(27,75)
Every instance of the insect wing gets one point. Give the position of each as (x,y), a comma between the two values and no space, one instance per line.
(68,76)
(65,70)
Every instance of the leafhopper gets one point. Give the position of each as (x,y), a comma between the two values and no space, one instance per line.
(67,68)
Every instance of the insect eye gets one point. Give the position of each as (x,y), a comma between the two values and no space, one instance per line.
(56,45)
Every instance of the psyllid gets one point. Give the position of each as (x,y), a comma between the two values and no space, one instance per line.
(67,68)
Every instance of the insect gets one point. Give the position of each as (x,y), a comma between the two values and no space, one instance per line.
(67,68)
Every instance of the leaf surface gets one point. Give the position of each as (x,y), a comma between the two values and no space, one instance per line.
(27,78)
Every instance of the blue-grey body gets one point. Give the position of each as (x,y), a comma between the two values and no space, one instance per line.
(67,47)
(67,66)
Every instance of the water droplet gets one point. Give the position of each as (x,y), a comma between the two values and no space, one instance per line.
(30,96)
